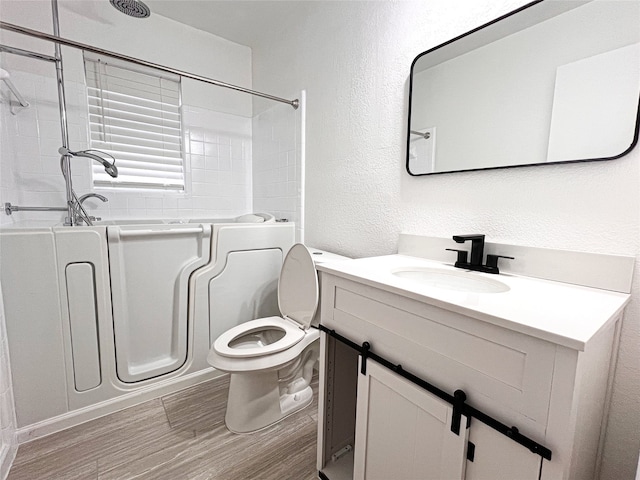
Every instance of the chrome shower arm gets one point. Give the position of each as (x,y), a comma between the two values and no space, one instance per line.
(109,166)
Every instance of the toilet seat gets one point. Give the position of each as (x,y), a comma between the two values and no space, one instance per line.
(292,335)
(262,363)
(298,301)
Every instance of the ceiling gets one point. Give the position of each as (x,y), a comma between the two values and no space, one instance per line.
(247,22)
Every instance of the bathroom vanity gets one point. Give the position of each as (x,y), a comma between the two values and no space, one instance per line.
(466,374)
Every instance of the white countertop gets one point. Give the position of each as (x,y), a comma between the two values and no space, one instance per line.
(562,313)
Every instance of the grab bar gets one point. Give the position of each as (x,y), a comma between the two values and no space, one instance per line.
(9,209)
(169,231)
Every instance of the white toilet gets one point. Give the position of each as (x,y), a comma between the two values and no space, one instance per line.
(271,360)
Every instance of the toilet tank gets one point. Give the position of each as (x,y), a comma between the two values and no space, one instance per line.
(321,256)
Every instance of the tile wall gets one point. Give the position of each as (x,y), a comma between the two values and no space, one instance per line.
(278,164)
(220,151)
(218,158)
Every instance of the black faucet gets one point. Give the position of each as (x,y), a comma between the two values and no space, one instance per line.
(477,252)
(477,247)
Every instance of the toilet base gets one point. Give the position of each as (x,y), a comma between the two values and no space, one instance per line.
(255,401)
(261,397)
(291,403)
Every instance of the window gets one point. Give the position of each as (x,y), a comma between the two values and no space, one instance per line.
(134,115)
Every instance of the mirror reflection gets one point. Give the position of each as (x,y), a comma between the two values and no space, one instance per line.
(556,81)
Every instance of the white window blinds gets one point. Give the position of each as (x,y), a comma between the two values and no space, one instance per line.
(134,115)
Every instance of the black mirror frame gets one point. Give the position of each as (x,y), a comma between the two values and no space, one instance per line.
(466,34)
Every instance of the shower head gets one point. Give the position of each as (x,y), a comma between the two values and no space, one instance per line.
(133,8)
(109,167)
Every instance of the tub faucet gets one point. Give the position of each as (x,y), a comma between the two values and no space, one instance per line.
(89,195)
(79,211)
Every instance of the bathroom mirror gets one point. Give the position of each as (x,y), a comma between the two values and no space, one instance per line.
(554,81)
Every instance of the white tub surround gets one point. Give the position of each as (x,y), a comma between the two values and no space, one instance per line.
(100,318)
(535,353)
(8,443)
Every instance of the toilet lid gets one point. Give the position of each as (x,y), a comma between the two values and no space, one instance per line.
(298,286)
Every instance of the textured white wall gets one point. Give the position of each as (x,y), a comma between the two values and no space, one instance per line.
(353,59)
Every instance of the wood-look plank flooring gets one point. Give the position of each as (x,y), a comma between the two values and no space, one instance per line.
(181,436)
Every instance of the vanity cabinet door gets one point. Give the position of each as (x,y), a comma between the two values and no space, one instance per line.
(496,456)
(403,432)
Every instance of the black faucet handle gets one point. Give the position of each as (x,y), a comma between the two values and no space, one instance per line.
(492,261)
(462,256)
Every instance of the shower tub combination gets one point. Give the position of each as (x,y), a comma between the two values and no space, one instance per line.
(103,317)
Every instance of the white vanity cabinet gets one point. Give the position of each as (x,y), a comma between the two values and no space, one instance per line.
(552,387)
(498,457)
(403,431)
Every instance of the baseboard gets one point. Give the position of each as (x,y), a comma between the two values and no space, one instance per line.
(91,412)
(7,455)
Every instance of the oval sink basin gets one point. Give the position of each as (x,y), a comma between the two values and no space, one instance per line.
(451,280)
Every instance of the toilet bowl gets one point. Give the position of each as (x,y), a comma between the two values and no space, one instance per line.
(271,360)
